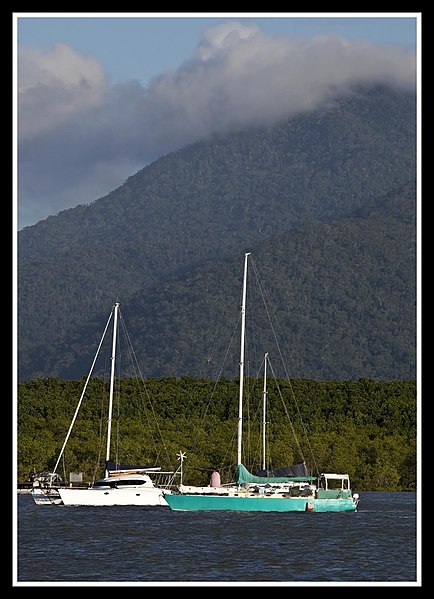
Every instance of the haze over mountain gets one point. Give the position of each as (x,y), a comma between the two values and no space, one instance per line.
(81,135)
(325,202)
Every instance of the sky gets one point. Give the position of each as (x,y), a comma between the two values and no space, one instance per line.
(99,96)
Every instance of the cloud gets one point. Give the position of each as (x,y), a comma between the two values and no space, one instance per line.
(79,137)
(54,86)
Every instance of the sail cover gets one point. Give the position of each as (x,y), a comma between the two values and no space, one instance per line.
(295,473)
(295,470)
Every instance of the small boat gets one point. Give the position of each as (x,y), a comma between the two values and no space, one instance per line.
(45,488)
(290,489)
(121,485)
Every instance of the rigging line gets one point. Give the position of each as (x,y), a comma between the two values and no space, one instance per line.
(133,374)
(301,419)
(286,411)
(221,368)
(251,450)
(100,436)
(281,356)
(137,374)
(259,408)
(271,320)
(225,464)
(136,365)
(267,311)
(208,355)
(216,382)
(84,391)
(252,328)
(118,398)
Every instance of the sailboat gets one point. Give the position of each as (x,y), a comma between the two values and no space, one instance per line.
(122,484)
(290,489)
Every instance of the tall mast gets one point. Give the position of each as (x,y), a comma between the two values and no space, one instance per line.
(112,378)
(264,406)
(83,392)
(243,332)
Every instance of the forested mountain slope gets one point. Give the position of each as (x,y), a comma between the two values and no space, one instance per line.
(325,200)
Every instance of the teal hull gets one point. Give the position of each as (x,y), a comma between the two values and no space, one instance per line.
(257,504)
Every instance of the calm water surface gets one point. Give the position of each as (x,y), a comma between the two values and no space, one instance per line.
(60,545)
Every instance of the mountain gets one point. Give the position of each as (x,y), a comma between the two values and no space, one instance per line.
(326,202)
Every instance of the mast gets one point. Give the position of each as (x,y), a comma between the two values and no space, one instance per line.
(264,420)
(83,392)
(243,332)
(112,378)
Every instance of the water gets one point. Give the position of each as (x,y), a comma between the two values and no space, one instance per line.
(66,546)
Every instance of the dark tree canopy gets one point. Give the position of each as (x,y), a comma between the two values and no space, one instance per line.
(366,428)
(326,202)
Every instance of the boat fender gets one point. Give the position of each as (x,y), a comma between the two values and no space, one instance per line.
(215,480)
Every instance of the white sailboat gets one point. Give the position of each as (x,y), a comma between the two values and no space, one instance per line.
(285,490)
(121,485)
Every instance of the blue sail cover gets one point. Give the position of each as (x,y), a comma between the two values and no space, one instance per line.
(294,470)
(296,473)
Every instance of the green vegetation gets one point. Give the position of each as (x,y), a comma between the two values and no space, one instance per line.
(365,427)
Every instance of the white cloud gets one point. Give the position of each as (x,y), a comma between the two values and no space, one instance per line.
(223,36)
(80,138)
(54,86)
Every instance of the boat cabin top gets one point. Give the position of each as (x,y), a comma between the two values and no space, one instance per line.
(333,481)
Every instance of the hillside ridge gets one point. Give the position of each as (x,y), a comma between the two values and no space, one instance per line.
(346,174)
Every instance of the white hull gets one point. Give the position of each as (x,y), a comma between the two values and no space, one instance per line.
(122,485)
(46,496)
(106,497)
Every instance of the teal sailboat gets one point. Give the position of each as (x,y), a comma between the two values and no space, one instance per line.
(290,489)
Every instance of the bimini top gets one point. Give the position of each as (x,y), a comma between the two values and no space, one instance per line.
(244,476)
(113,468)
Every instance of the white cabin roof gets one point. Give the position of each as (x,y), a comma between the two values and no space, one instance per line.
(335,476)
